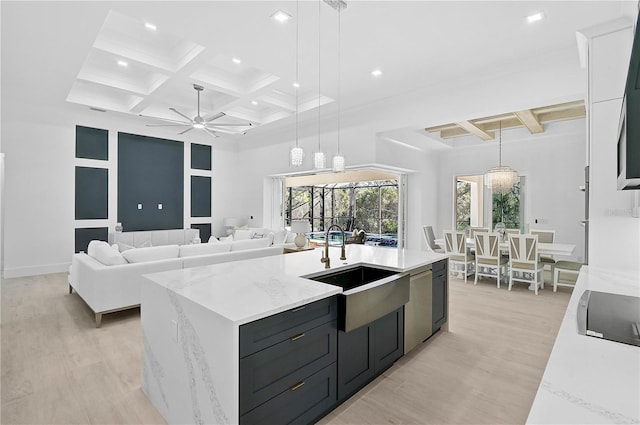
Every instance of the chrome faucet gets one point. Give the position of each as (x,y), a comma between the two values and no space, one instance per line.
(325,259)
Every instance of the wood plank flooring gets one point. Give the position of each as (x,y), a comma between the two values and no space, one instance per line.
(57,368)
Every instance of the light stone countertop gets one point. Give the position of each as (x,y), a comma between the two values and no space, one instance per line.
(589,380)
(248,290)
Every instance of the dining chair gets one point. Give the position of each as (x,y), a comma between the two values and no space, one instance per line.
(523,260)
(474,230)
(546,236)
(455,244)
(489,262)
(430,237)
(565,273)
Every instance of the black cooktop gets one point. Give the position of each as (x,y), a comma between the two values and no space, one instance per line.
(610,316)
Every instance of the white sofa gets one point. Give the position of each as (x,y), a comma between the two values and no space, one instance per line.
(109,288)
(155,237)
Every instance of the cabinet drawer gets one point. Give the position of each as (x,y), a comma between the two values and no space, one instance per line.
(439,266)
(266,332)
(301,403)
(273,370)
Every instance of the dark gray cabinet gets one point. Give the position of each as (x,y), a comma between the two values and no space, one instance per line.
(366,352)
(288,365)
(439,294)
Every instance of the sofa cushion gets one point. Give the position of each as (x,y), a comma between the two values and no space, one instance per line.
(107,255)
(203,249)
(227,239)
(279,237)
(242,234)
(250,244)
(152,253)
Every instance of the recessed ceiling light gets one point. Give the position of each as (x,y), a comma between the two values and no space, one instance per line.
(376,73)
(254,102)
(280,16)
(236,60)
(535,17)
(123,64)
(296,85)
(150,26)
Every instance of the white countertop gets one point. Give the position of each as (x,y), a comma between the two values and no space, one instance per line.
(247,290)
(589,380)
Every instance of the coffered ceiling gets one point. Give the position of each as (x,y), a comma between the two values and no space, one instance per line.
(64,55)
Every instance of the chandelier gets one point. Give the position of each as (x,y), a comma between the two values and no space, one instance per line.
(501,179)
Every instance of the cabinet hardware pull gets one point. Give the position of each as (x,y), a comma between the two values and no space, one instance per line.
(293,338)
(298,309)
(296,386)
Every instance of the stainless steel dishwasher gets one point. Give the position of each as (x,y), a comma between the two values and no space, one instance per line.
(417,312)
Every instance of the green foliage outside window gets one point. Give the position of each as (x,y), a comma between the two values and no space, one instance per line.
(463,205)
(371,206)
(506,208)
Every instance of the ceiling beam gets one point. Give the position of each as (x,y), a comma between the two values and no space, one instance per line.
(530,121)
(474,129)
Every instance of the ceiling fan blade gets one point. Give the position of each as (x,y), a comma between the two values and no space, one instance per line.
(181,114)
(165,119)
(215,117)
(212,133)
(213,124)
(188,129)
(168,125)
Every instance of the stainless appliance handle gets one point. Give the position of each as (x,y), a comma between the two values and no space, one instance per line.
(583,305)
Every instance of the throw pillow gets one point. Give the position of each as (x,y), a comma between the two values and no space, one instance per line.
(152,253)
(203,249)
(228,239)
(279,237)
(93,246)
(242,234)
(213,240)
(257,236)
(291,237)
(122,247)
(108,256)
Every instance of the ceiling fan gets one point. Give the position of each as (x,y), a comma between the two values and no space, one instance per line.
(198,122)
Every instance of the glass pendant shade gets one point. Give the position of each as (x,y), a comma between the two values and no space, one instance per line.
(501,179)
(296,156)
(319,160)
(338,163)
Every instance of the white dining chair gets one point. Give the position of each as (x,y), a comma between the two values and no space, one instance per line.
(489,262)
(430,237)
(460,259)
(546,236)
(524,264)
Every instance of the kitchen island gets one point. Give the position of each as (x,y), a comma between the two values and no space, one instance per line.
(193,322)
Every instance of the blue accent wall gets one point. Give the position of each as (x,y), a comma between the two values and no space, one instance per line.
(200,196)
(92,193)
(150,172)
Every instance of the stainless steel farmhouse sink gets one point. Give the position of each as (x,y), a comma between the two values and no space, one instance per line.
(369,293)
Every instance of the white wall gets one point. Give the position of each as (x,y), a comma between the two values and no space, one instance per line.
(553,163)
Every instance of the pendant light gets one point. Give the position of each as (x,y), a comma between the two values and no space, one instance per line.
(296,155)
(338,159)
(319,159)
(501,179)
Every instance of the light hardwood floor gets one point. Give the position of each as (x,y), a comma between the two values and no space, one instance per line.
(57,368)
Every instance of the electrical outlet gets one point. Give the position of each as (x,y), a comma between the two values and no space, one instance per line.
(159,206)
(139,206)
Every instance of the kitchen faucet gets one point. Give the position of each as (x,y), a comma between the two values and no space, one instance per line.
(325,259)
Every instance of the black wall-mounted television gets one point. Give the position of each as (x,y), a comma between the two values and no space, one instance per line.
(629,127)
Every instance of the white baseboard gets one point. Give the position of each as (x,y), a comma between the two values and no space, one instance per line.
(35,270)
